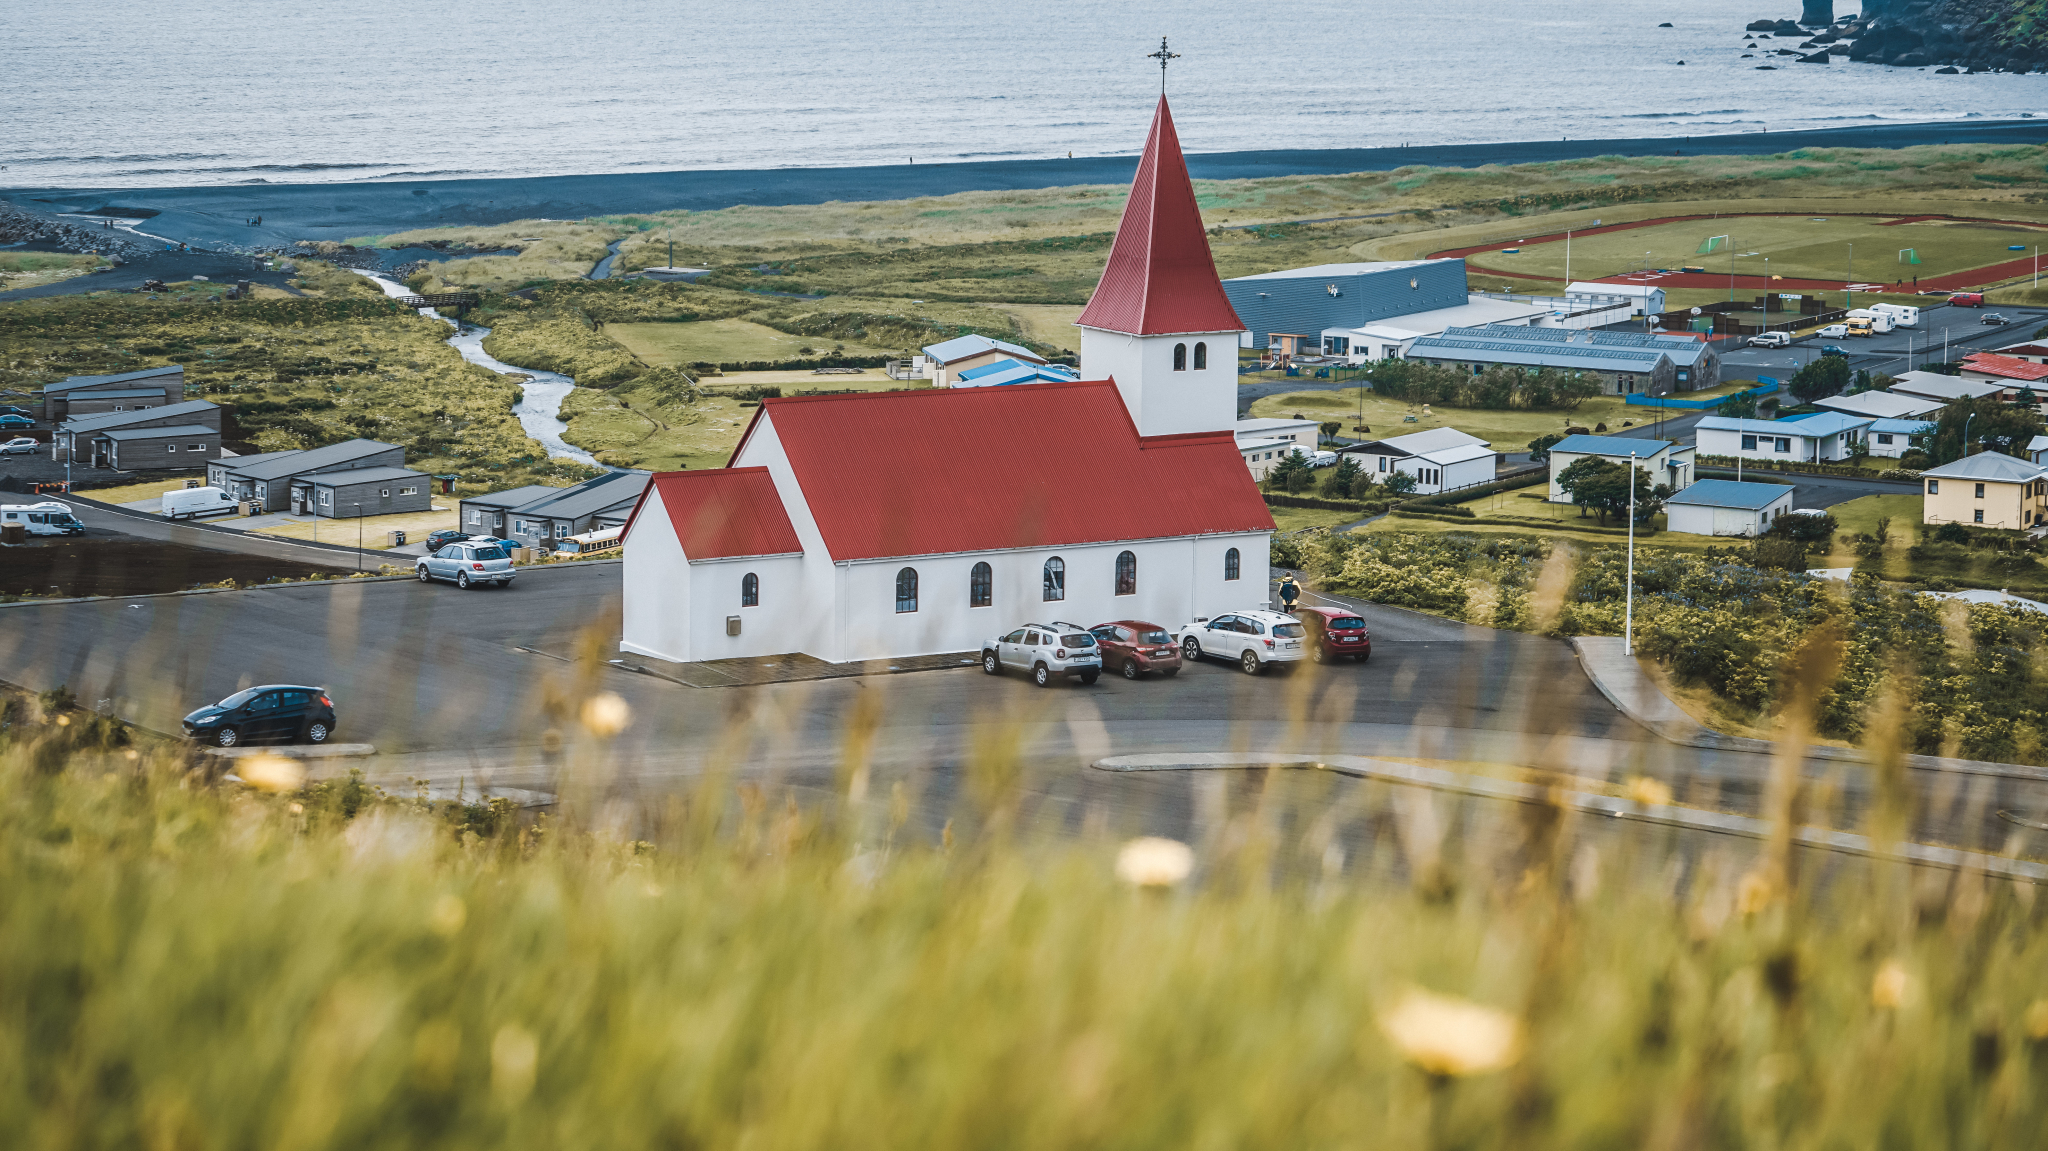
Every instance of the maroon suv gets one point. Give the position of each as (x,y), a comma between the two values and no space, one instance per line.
(1133,647)
(1335,633)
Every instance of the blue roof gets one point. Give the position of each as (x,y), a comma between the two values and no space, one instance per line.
(1609,446)
(1909,427)
(1732,494)
(1011,372)
(961,347)
(1815,426)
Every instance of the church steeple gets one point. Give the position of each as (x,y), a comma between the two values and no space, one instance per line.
(1161,278)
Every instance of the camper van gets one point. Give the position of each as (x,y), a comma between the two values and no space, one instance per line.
(1879,322)
(1860,326)
(1903,315)
(48,518)
(590,543)
(191,503)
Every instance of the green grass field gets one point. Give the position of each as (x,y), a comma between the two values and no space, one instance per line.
(1295,519)
(724,341)
(1797,247)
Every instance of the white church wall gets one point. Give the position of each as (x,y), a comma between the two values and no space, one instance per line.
(783,620)
(1184,401)
(656,594)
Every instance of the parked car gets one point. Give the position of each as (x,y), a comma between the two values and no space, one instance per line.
(1771,340)
(11,410)
(1993,319)
(435,541)
(1252,639)
(1047,651)
(1132,648)
(1966,300)
(471,563)
(1334,633)
(1323,460)
(1834,332)
(191,503)
(10,420)
(21,446)
(1833,350)
(273,713)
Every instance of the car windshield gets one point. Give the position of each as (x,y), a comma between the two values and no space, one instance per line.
(239,698)
(1078,639)
(1287,630)
(1154,637)
(490,553)
(1347,622)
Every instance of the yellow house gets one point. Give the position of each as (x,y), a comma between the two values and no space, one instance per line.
(1988,489)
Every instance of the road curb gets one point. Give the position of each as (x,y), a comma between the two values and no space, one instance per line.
(1668,815)
(277,586)
(295,751)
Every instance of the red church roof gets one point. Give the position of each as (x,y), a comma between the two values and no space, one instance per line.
(980,469)
(1161,278)
(722,513)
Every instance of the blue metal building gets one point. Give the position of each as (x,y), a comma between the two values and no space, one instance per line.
(1305,301)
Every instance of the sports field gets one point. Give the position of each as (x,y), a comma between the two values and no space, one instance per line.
(1798,248)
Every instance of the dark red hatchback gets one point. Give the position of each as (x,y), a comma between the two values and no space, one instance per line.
(1132,647)
(1334,633)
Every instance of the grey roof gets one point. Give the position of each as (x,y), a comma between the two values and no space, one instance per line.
(73,383)
(1420,443)
(103,420)
(1535,354)
(960,347)
(286,464)
(252,458)
(1609,446)
(1820,425)
(349,477)
(123,394)
(1994,466)
(1731,494)
(591,496)
(171,433)
(513,497)
(1940,387)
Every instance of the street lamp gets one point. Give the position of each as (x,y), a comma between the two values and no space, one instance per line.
(1660,411)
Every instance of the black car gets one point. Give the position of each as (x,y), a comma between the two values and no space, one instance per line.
(1993,319)
(11,410)
(273,713)
(440,539)
(1832,350)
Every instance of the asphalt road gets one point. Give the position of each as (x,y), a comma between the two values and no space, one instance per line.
(100,519)
(1958,330)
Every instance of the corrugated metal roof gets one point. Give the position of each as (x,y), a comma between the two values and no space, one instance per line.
(1422,443)
(875,491)
(1940,387)
(512,498)
(352,476)
(1915,427)
(2009,367)
(1160,277)
(961,347)
(73,383)
(311,460)
(1004,372)
(119,394)
(592,495)
(1534,355)
(1815,426)
(100,421)
(722,513)
(1609,446)
(1994,466)
(119,435)
(1731,494)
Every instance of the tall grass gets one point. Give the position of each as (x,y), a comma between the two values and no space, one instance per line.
(187,963)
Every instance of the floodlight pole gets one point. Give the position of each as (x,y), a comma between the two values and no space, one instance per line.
(1851,279)
(1628,614)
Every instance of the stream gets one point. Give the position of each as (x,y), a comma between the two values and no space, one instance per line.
(541,395)
(603,271)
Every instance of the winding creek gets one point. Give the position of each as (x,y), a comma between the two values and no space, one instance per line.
(603,271)
(541,395)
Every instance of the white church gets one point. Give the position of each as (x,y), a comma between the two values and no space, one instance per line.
(911,523)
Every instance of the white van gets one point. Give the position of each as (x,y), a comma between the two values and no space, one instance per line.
(1904,315)
(48,518)
(1880,322)
(191,503)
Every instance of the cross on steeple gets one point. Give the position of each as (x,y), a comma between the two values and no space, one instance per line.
(1162,56)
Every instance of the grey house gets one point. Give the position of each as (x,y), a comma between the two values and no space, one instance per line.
(353,492)
(1299,303)
(1627,363)
(122,392)
(278,481)
(178,446)
(491,514)
(539,516)
(88,439)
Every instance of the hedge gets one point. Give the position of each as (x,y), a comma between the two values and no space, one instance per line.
(1523,479)
(1727,464)
(1282,500)
(801,365)
(1455,515)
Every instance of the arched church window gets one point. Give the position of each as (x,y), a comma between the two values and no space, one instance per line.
(1202,357)
(981,586)
(1180,357)
(1126,573)
(1230,564)
(1055,579)
(906,590)
(750,590)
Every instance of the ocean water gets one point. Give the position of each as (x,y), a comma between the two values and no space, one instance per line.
(157,93)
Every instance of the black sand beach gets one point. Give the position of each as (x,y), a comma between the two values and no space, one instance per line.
(216,216)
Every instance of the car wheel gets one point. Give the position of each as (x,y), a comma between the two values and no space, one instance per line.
(1088,678)
(316,732)
(990,664)
(1249,661)
(226,737)
(1131,669)
(1041,675)
(1366,658)
(1318,653)
(1190,649)
(462,580)
(424,577)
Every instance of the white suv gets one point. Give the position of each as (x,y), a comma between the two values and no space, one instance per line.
(1770,340)
(1045,650)
(1252,638)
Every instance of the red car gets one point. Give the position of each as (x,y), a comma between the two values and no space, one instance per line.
(1335,633)
(1132,647)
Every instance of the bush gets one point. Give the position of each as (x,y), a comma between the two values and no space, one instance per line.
(1952,533)
(1805,528)
(1915,460)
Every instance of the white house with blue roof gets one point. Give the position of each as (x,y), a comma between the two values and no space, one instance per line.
(1667,463)
(1894,438)
(1727,508)
(1809,439)
(997,373)
(965,353)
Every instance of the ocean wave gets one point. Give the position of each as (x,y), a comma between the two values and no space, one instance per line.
(1678,115)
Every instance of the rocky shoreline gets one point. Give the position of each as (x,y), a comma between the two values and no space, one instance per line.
(20,225)
(1949,35)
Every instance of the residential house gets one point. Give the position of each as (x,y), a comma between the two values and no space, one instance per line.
(540,517)
(1894,438)
(2037,449)
(1817,438)
(949,359)
(84,440)
(121,392)
(1947,389)
(1883,405)
(1989,489)
(1664,461)
(278,481)
(2010,372)
(1008,370)
(491,514)
(2031,352)
(1440,459)
(1727,508)
(351,492)
(1263,442)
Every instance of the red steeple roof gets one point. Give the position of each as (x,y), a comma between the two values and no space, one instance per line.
(1161,277)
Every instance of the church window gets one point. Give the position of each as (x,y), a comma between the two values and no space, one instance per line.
(1180,357)
(981,586)
(1201,357)
(1055,579)
(1230,564)
(906,590)
(1126,573)
(750,590)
